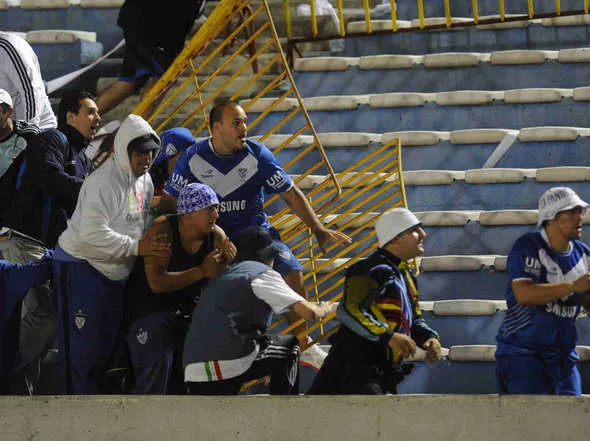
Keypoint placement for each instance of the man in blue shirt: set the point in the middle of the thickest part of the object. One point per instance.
(239, 169)
(549, 282)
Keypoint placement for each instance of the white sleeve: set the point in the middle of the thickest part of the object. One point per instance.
(98, 203)
(271, 288)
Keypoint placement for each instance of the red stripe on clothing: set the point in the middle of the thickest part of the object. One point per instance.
(217, 370)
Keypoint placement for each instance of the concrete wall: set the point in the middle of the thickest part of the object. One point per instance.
(264, 418)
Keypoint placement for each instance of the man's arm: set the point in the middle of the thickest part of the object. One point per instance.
(160, 280)
(46, 158)
(527, 292)
(167, 204)
(313, 311)
(296, 200)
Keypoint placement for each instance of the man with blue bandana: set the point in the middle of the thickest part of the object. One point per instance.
(162, 291)
(549, 283)
(240, 169)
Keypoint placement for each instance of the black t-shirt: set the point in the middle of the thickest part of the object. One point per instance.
(141, 300)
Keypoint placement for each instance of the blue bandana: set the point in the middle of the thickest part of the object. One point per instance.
(195, 197)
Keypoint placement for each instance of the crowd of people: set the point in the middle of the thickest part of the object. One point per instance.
(186, 283)
(162, 264)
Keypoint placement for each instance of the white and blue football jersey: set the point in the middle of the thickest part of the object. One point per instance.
(548, 328)
(238, 179)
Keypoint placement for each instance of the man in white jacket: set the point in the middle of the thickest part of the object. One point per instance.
(96, 253)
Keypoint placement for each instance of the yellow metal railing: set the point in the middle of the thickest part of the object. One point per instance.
(326, 31)
(372, 185)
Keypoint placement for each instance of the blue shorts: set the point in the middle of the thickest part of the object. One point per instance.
(531, 374)
(286, 261)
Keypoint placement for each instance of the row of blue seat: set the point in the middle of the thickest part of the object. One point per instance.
(471, 39)
(103, 21)
(448, 156)
(484, 76)
(430, 116)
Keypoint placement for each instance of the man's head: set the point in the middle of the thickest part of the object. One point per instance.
(256, 243)
(400, 232)
(141, 153)
(6, 126)
(197, 204)
(227, 121)
(561, 210)
(79, 110)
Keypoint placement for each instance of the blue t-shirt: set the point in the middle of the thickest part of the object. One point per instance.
(542, 329)
(238, 179)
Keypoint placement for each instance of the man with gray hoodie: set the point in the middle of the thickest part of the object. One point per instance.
(96, 253)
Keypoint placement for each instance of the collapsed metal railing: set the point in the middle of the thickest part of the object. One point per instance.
(236, 38)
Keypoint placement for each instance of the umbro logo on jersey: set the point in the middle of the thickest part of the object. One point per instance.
(277, 180)
(532, 266)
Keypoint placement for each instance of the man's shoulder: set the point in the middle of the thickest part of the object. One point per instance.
(364, 266)
(533, 239)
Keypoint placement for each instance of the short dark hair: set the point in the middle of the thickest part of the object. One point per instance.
(217, 111)
(70, 102)
(5, 107)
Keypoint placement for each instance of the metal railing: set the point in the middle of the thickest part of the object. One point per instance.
(342, 16)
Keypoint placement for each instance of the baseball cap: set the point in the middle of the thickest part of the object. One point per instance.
(144, 144)
(195, 196)
(174, 141)
(5, 97)
(256, 243)
(394, 222)
(558, 199)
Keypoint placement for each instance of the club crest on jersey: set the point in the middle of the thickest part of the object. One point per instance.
(243, 172)
(142, 336)
(171, 150)
(80, 319)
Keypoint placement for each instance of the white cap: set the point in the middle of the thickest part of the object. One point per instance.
(394, 222)
(5, 97)
(555, 200)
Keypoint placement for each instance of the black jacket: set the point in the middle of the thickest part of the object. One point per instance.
(159, 23)
(56, 166)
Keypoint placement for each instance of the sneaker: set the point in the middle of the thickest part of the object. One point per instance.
(313, 357)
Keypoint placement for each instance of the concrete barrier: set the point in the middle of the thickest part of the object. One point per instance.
(264, 418)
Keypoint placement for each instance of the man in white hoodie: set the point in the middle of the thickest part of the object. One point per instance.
(96, 253)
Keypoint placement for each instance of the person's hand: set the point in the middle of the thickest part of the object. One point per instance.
(154, 245)
(581, 284)
(325, 235)
(327, 308)
(433, 350)
(403, 343)
(213, 264)
(228, 251)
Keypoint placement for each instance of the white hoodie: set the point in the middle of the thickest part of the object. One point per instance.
(112, 211)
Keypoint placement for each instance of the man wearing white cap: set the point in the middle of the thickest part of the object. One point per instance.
(15, 136)
(380, 315)
(549, 281)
